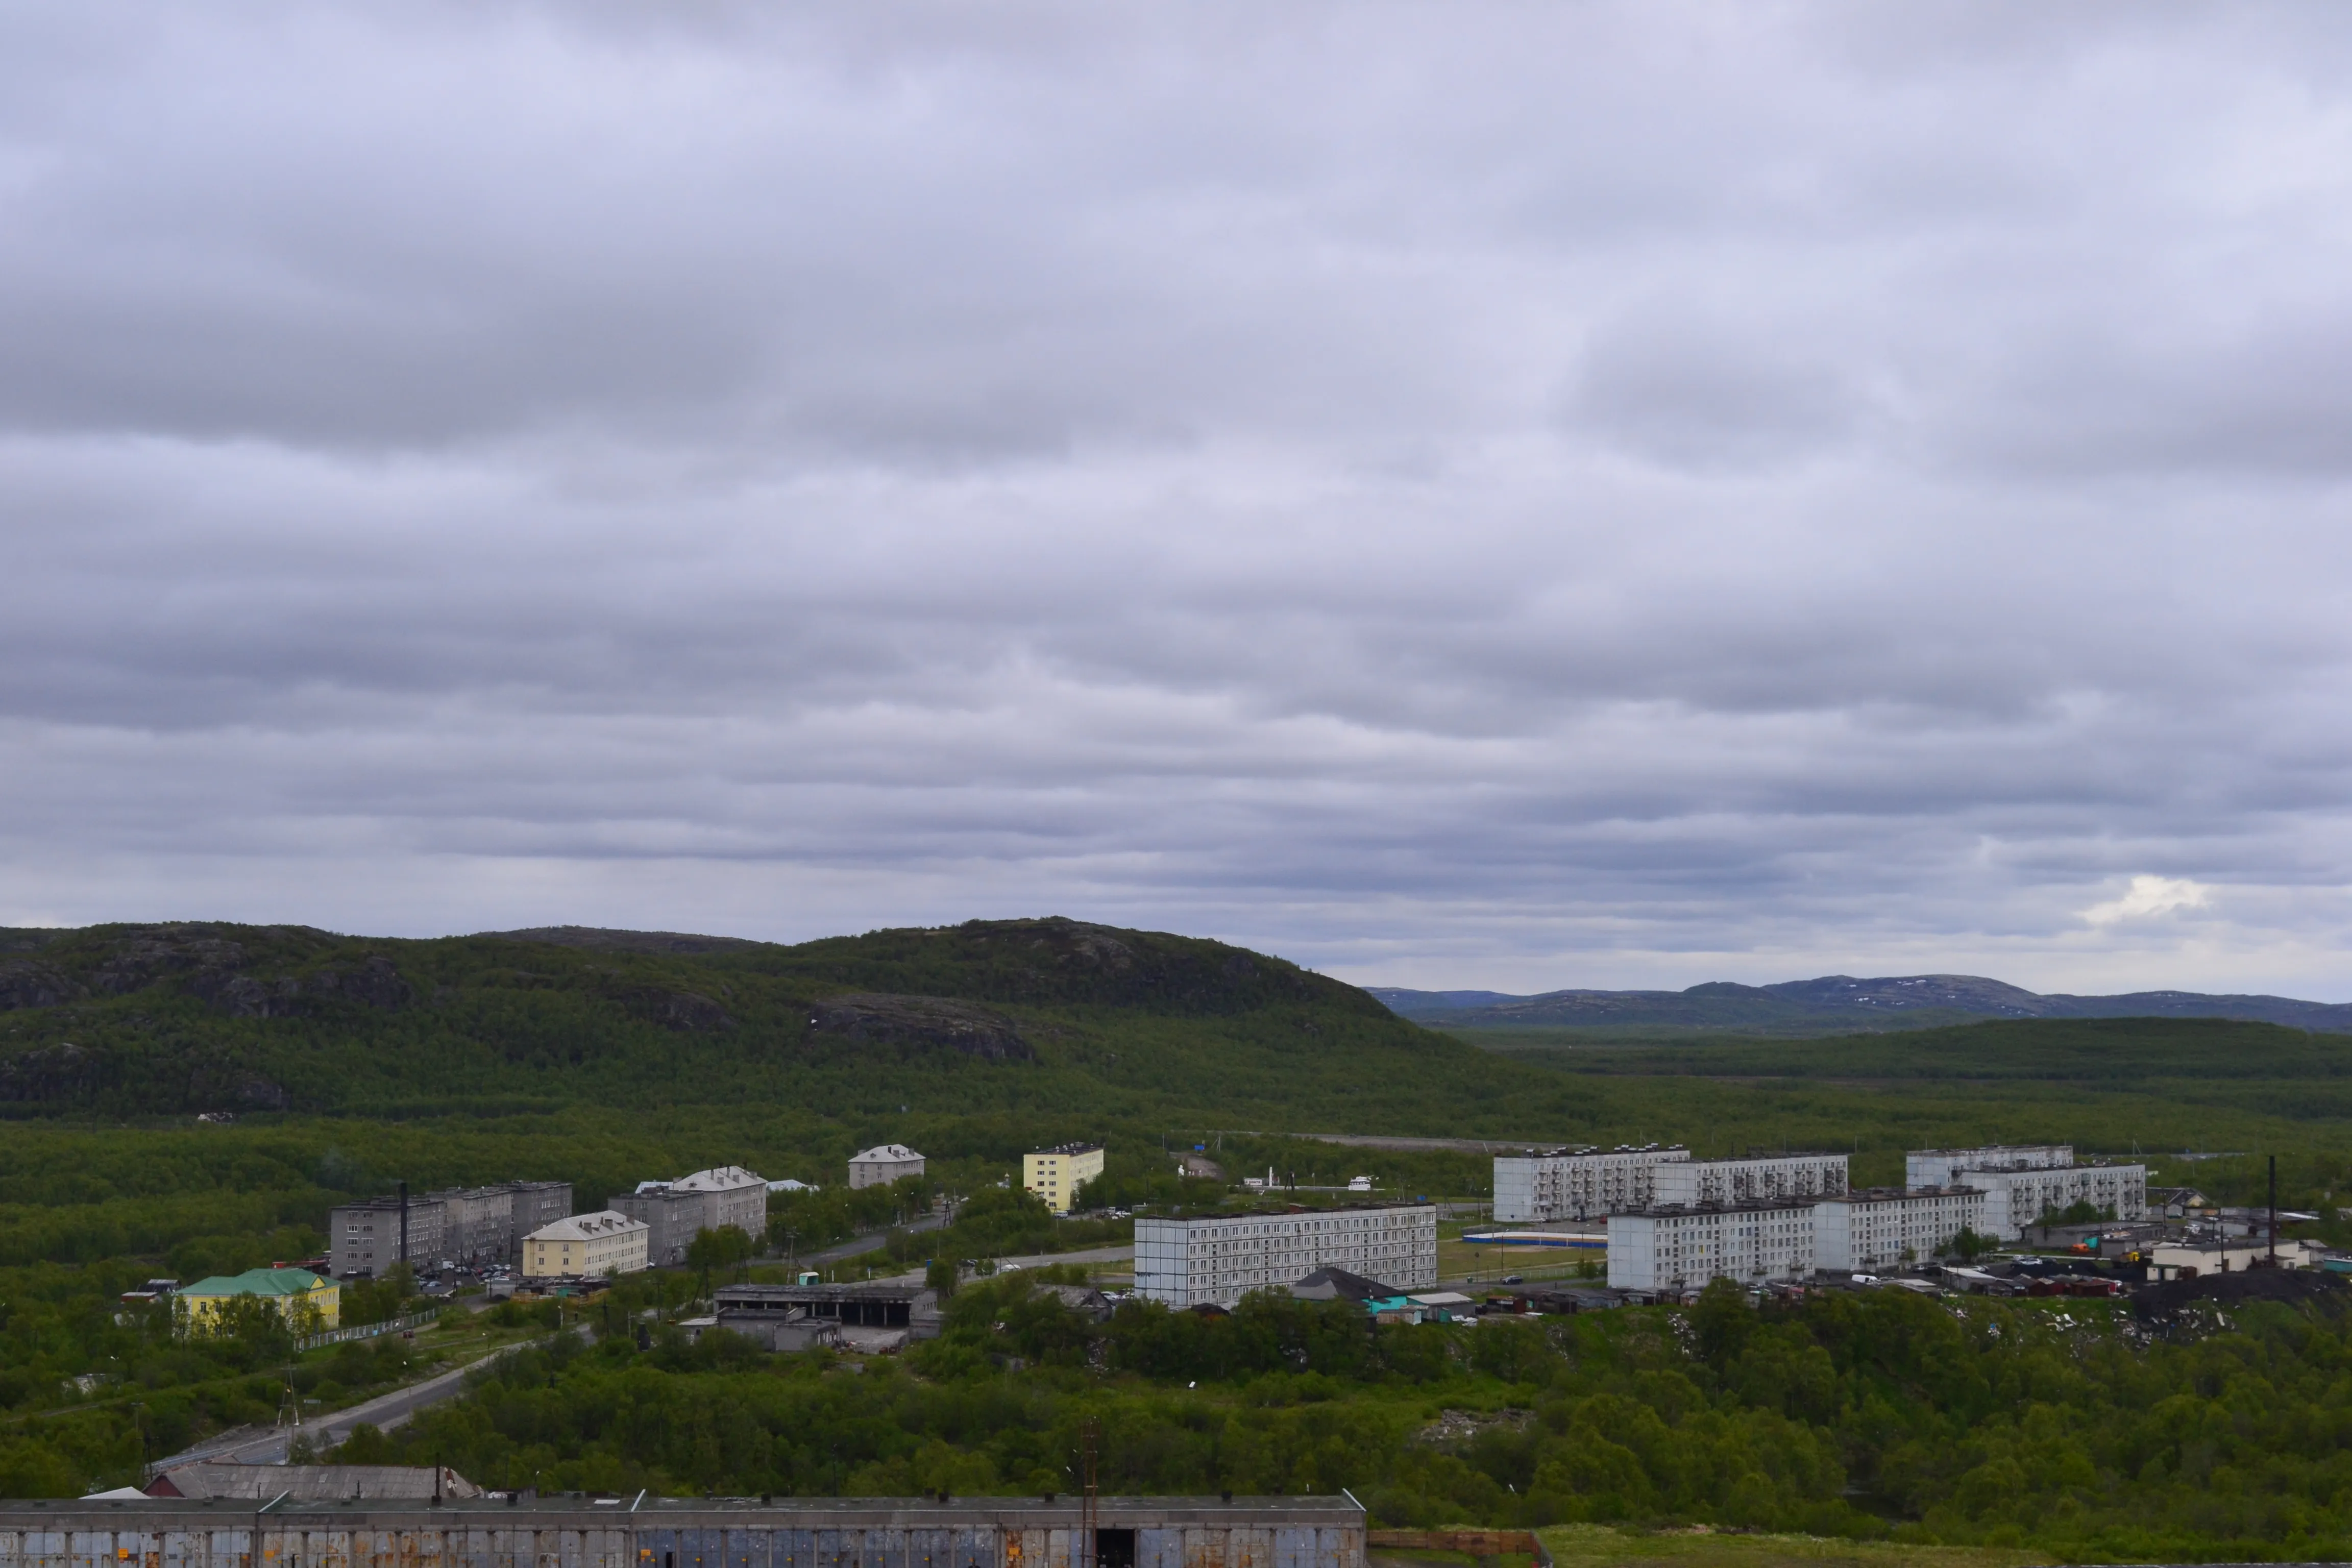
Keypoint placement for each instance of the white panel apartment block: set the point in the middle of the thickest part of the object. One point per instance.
(1749, 1181)
(1880, 1227)
(2016, 1200)
(1578, 1183)
(1942, 1167)
(1676, 1248)
(1222, 1258)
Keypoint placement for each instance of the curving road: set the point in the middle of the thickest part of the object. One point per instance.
(385, 1411)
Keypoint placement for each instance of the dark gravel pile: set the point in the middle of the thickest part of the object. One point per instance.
(2155, 1302)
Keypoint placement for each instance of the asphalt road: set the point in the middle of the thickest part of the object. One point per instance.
(1123, 1254)
(385, 1411)
(864, 1243)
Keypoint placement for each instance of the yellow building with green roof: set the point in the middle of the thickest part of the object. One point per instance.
(306, 1301)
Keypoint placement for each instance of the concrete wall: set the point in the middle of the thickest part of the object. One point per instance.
(1173, 1532)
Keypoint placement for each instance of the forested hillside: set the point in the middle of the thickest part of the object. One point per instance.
(1016, 1016)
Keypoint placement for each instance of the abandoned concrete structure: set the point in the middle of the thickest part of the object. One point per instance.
(793, 1317)
(505, 1531)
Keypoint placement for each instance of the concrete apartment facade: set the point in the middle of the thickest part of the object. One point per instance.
(732, 1195)
(363, 1239)
(487, 1225)
(1689, 1182)
(2015, 1201)
(1056, 1174)
(883, 1164)
(2022, 1181)
(675, 1213)
(1578, 1184)
(585, 1246)
(1883, 1228)
(1942, 1167)
(672, 1219)
(1220, 1257)
(1676, 1248)
(456, 1224)
(1785, 1216)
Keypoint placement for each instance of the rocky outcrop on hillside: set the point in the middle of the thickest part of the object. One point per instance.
(207, 962)
(373, 983)
(32, 984)
(937, 1022)
(685, 1011)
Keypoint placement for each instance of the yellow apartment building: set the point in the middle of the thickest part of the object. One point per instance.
(1055, 1174)
(587, 1246)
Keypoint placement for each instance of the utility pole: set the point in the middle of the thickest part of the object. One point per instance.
(1090, 1440)
(2275, 1211)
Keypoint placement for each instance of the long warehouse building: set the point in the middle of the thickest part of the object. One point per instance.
(640, 1531)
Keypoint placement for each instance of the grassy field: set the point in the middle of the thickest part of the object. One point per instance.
(1462, 1260)
(1599, 1546)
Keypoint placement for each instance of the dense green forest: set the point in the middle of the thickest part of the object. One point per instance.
(2063, 1426)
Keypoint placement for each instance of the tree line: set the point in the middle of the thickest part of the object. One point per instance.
(2058, 1426)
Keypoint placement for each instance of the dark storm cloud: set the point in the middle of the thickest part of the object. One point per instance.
(1524, 495)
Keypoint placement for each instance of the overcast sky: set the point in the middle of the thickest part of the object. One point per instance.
(1455, 494)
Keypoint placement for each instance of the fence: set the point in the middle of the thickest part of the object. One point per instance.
(1475, 1542)
(366, 1330)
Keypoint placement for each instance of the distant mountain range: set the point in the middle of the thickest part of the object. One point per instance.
(1837, 1003)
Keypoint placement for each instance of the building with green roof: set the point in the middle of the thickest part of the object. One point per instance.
(304, 1300)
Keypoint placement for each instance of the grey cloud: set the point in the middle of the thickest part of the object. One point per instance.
(1608, 495)
(1672, 383)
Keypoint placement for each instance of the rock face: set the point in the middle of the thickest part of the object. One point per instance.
(32, 984)
(934, 1022)
(243, 996)
(374, 982)
(684, 1011)
(212, 967)
(143, 957)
